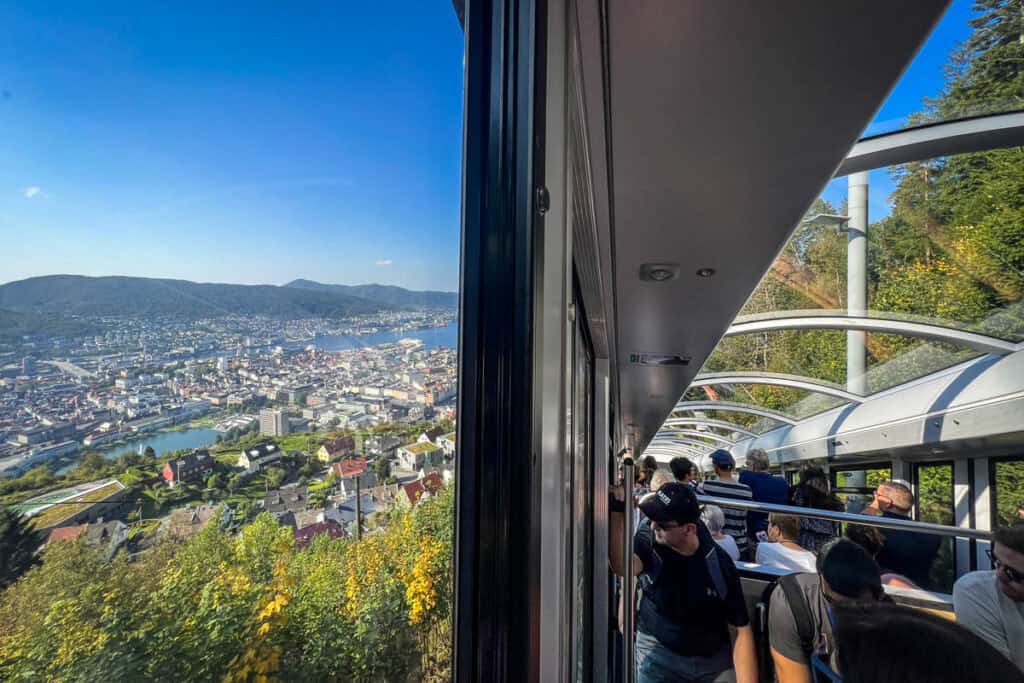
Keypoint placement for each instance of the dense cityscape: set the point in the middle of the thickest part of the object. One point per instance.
(137, 438)
(59, 397)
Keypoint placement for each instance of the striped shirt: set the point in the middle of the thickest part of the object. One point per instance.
(735, 519)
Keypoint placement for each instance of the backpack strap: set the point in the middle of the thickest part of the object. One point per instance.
(715, 572)
(801, 613)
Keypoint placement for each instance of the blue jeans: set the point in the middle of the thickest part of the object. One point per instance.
(655, 663)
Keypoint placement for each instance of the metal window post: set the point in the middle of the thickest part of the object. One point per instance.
(628, 651)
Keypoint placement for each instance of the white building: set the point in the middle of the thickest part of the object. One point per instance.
(274, 422)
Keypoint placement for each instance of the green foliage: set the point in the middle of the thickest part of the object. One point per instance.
(382, 468)
(274, 476)
(1009, 488)
(236, 482)
(18, 545)
(242, 607)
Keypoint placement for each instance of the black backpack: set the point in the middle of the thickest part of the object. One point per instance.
(802, 618)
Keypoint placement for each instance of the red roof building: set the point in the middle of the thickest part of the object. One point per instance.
(304, 536)
(352, 467)
(413, 491)
(190, 467)
(67, 533)
(432, 482)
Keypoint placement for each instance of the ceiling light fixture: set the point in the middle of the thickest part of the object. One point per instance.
(705, 272)
(659, 272)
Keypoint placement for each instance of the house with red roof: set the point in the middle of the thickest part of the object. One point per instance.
(305, 536)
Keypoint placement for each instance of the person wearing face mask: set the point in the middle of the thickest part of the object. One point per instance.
(991, 603)
(691, 600)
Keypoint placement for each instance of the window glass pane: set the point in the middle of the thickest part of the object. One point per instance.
(935, 505)
(232, 420)
(967, 67)
(860, 485)
(1009, 492)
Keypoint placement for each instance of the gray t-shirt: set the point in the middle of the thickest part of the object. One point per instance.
(982, 607)
(782, 632)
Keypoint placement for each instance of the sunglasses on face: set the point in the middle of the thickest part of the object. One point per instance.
(1009, 572)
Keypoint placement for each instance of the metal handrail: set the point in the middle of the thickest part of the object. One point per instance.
(628, 654)
(866, 520)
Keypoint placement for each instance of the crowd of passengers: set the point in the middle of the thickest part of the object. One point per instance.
(828, 615)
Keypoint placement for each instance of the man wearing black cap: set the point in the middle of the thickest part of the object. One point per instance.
(726, 486)
(690, 593)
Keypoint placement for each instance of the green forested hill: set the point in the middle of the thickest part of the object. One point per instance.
(92, 296)
(385, 294)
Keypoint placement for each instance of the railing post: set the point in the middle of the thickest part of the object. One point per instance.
(628, 608)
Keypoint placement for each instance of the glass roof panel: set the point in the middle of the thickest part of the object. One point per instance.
(945, 241)
(971, 65)
(820, 355)
(745, 420)
(790, 401)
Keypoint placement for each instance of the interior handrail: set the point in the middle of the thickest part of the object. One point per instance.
(866, 520)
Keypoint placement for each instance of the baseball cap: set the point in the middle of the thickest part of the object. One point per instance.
(723, 458)
(673, 502)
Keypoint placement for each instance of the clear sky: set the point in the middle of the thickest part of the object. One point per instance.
(314, 140)
(206, 142)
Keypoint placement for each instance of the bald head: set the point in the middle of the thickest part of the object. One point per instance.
(895, 497)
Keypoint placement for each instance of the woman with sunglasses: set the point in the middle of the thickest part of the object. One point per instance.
(991, 603)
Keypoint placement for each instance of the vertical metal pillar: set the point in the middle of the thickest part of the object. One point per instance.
(628, 608)
(857, 280)
(359, 525)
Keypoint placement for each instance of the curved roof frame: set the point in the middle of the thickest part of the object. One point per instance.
(728, 406)
(663, 439)
(974, 134)
(776, 379)
(708, 422)
(674, 450)
(670, 433)
(784, 320)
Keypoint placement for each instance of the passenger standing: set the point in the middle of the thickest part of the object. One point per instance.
(813, 492)
(692, 598)
(726, 486)
(648, 466)
(765, 487)
(683, 470)
(991, 603)
(910, 553)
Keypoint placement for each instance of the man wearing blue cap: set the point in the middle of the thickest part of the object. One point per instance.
(691, 597)
(726, 486)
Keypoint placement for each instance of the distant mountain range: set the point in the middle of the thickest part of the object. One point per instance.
(385, 294)
(78, 295)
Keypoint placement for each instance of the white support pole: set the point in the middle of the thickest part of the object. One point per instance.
(857, 280)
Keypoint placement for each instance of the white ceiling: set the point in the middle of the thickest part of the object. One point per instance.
(727, 119)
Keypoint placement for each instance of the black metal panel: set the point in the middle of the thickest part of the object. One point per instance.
(496, 591)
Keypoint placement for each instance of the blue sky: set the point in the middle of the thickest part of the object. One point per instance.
(316, 140)
(923, 78)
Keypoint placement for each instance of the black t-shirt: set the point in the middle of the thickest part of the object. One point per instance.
(682, 609)
(910, 553)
